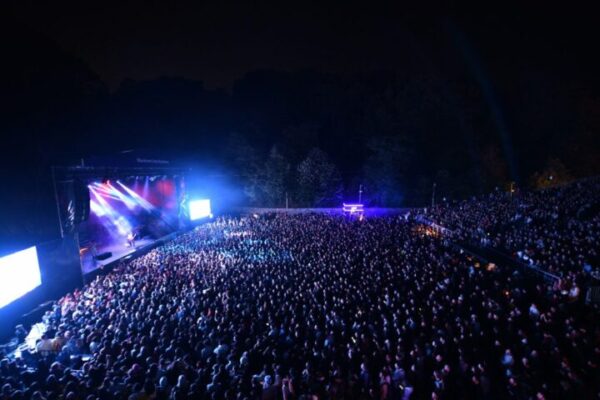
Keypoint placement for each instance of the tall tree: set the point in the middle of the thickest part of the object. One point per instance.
(244, 162)
(386, 169)
(319, 180)
(274, 179)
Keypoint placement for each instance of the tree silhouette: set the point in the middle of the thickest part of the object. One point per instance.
(319, 180)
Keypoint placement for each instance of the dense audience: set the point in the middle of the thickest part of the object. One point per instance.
(555, 229)
(312, 307)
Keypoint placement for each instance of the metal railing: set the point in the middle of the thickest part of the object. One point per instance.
(478, 248)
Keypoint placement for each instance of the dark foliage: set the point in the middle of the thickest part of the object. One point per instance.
(394, 132)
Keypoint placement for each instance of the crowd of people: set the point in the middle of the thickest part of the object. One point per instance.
(556, 230)
(312, 306)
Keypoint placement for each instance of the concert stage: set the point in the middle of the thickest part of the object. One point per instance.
(118, 250)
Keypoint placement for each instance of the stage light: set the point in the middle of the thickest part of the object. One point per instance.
(96, 209)
(103, 209)
(199, 209)
(106, 192)
(123, 226)
(137, 198)
(146, 190)
(103, 204)
(130, 203)
(109, 191)
(353, 208)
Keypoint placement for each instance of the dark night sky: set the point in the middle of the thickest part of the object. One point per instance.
(217, 42)
(452, 81)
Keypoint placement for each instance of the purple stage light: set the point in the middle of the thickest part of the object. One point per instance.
(146, 190)
(351, 209)
(103, 204)
(101, 208)
(123, 226)
(96, 209)
(106, 195)
(137, 198)
(130, 203)
(107, 190)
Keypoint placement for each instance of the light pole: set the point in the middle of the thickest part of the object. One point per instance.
(360, 194)
(512, 189)
(433, 195)
(60, 224)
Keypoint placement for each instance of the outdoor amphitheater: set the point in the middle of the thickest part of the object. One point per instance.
(332, 305)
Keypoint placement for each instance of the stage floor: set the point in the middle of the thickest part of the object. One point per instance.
(88, 264)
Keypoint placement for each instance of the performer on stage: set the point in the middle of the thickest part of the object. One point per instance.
(94, 250)
(131, 239)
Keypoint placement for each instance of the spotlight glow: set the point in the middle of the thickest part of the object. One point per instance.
(103, 209)
(103, 204)
(353, 208)
(123, 226)
(136, 198)
(96, 209)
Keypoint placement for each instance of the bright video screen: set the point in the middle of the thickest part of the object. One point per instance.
(199, 209)
(19, 274)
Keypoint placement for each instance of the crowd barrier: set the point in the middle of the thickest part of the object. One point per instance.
(326, 210)
(487, 252)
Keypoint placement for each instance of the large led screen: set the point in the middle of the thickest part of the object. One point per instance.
(19, 275)
(199, 209)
